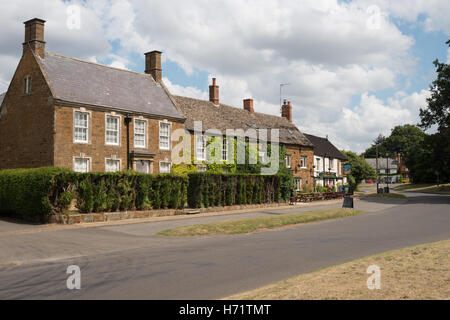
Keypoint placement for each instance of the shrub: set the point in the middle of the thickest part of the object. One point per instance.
(208, 189)
(27, 193)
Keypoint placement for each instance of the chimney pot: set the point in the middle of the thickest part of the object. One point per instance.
(153, 65)
(248, 105)
(214, 92)
(34, 36)
(286, 110)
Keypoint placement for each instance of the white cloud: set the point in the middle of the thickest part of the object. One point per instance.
(325, 49)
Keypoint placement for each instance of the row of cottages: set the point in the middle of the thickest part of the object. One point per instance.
(66, 112)
(328, 162)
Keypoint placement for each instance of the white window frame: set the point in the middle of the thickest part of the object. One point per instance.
(303, 159)
(27, 85)
(118, 129)
(262, 156)
(203, 154)
(88, 125)
(89, 163)
(298, 186)
(288, 161)
(145, 132)
(165, 162)
(113, 159)
(331, 163)
(169, 125)
(225, 149)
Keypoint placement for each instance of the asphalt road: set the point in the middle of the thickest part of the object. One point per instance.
(129, 262)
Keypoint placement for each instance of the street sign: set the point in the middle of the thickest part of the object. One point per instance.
(347, 168)
(348, 203)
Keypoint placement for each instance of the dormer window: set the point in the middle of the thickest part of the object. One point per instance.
(27, 85)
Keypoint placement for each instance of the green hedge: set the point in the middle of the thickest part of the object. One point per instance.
(37, 193)
(208, 189)
(25, 192)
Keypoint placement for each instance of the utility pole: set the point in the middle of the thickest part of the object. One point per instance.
(376, 166)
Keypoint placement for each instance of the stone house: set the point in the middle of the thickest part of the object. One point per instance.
(214, 115)
(328, 162)
(66, 112)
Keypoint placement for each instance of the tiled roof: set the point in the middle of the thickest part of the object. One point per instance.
(224, 117)
(391, 163)
(323, 147)
(89, 83)
(2, 96)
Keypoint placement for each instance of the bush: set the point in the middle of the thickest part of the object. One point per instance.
(26, 193)
(37, 193)
(210, 189)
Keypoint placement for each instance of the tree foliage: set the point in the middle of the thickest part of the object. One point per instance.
(360, 169)
(438, 110)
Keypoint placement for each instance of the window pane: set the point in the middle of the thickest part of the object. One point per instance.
(139, 133)
(164, 135)
(81, 126)
(112, 130)
(81, 165)
(224, 150)
(164, 167)
(112, 165)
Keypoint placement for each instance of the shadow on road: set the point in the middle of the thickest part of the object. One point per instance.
(411, 199)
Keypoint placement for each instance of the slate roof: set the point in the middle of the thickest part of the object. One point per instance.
(392, 163)
(322, 147)
(224, 117)
(94, 84)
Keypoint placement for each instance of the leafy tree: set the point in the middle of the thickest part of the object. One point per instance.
(438, 110)
(360, 169)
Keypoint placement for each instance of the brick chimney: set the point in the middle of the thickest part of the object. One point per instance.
(214, 92)
(286, 110)
(34, 36)
(153, 65)
(248, 105)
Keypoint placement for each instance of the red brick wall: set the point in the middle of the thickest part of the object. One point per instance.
(296, 152)
(26, 121)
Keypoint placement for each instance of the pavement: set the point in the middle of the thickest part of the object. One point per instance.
(127, 261)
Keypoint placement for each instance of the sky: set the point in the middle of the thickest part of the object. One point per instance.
(355, 69)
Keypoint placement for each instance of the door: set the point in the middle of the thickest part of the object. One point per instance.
(143, 166)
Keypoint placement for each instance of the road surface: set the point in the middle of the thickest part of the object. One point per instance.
(130, 262)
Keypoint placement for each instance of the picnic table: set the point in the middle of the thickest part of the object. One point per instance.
(308, 197)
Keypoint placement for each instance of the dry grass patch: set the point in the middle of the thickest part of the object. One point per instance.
(387, 195)
(258, 224)
(419, 272)
(426, 188)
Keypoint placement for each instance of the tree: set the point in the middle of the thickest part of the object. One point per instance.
(371, 152)
(438, 113)
(438, 109)
(360, 169)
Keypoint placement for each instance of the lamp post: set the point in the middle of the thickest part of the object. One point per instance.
(376, 166)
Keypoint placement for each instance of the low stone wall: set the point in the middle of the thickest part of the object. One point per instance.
(114, 216)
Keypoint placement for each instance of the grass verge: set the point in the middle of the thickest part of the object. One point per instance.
(426, 188)
(387, 195)
(419, 272)
(257, 224)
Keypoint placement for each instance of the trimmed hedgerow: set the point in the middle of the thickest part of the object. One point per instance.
(25, 192)
(37, 193)
(208, 189)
